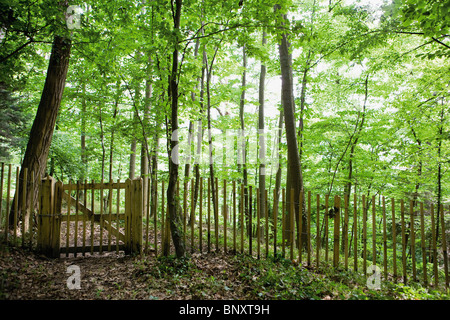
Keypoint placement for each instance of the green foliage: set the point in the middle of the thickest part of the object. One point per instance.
(64, 155)
(123, 49)
(432, 17)
(278, 278)
(171, 266)
(12, 122)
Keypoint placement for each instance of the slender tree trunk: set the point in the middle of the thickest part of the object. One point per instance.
(133, 156)
(102, 142)
(83, 134)
(243, 147)
(199, 127)
(144, 146)
(134, 141)
(419, 169)
(439, 175)
(173, 201)
(154, 162)
(214, 187)
(302, 104)
(295, 178)
(278, 174)
(111, 147)
(262, 142)
(354, 141)
(36, 154)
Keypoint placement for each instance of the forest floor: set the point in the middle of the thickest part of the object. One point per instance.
(25, 275)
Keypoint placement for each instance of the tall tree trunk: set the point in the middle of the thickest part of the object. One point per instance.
(211, 162)
(262, 143)
(302, 104)
(102, 142)
(83, 134)
(199, 124)
(304, 82)
(36, 154)
(111, 147)
(294, 178)
(134, 141)
(187, 165)
(173, 214)
(144, 146)
(132, 169)
(419, 169)
(354, 139)
(439, 175)
(154, 163)
(278, 174)
(214, 187)
(243, 147)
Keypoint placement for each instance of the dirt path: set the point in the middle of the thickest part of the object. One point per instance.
(25, 275)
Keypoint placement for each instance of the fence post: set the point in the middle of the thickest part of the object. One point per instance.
(133, 215)
(127, 216)
(56, 219)
(48, 219)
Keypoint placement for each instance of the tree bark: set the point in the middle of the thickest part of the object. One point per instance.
(111, 147)
(294, 178)
(36, 154)
(262, 143)
(154, 164)
(132, 170)
(199, 124)
(243, 147)
(439, 175)
(145, 168)
(173, 201)
(302, 103)
(354, 140)
(214, 186)
(278, 174)
(102, 141)
(83, 134)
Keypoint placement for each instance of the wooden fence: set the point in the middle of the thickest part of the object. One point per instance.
(70, 218)
(407, 240)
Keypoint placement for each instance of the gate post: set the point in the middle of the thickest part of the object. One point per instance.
(133, 215)
(48, 236)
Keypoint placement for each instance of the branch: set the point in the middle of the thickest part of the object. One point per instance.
(440, 42)
(2, 59)
(210, 34)
(356, 132)
(331, 7)
(409, 32)
(340, 46)
(246, 25)
(420, 46)
(422, 34)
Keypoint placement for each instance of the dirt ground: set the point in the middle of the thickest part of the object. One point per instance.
(25, 275)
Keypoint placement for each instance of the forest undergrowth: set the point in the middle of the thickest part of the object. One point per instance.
(25, 275)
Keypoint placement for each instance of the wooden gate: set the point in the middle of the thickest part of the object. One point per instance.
(90, 217)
